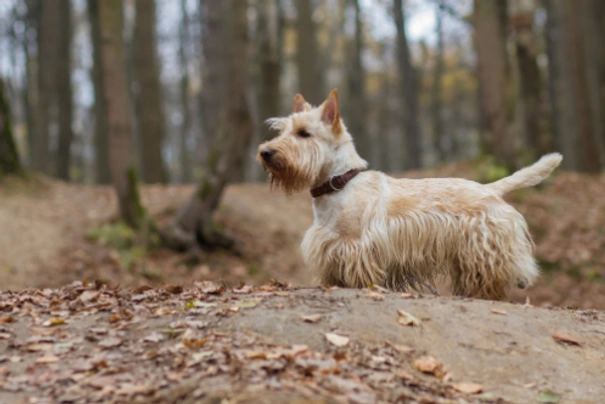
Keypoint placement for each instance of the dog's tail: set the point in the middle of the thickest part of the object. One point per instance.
(528, 176)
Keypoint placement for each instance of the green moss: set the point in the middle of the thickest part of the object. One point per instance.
(134, 200)
(489, 170)
(204, 189)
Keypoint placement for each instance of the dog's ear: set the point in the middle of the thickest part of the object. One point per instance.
(330, 114)
(300, 104)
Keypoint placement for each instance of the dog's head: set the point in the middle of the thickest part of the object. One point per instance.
(311, 143)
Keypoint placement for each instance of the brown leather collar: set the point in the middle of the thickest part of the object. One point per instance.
(335, 183)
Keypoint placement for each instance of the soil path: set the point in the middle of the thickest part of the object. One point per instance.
(275, 344)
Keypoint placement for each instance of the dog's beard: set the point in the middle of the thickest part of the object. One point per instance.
(288, 178)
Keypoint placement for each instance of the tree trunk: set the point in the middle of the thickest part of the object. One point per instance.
(101, 141)
(31, 85)
(490, 18)
(64, 91)
(536, 137)
(408, 91)
(226, 156)
(185, 159)
(355, 103)
(9, 156)
(269, 38)
(213, 18)
(307, 55)
(563, 116)
(149, 93)
(588, 145)
(436, 103)
(48, 17)
(591, 22)
(117, 105)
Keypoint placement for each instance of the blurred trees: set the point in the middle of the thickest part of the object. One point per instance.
(116, 100)
(149, 98)
(408, 91)
(233, 124)
(423, 82)
(101, 143)
(310, 77)
(490, 20)
(9, 157)
(64, 90)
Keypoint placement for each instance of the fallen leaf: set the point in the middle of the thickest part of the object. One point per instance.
(36, 346)
(559, 337)
(403, 348)
(4, 335)
(243, 289)
(336, 339)
(89, 296)
(256, 355)
(154, 337)
(547, 397)
(141, 289)
(198, 303)
(114, 319)
(7, 319)
(51, 322)
(47, 359)
(110, 342)
(375, 295)
(233, 309)
(406, 318)
(248, 304)
(430, 365)
(209, 288)
(174, 289)
(311, 318)
(501, 312)
(469, 388)
(198, 356)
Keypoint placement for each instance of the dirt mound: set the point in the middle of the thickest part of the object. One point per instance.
(274, 343)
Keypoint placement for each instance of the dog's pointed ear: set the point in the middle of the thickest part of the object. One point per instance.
(299, 104)
(330, 114)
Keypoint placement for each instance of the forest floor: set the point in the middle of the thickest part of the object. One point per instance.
(77, 341)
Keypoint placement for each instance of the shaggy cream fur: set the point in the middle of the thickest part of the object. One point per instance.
(400, 233)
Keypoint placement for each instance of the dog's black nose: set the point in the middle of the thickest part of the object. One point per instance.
(266, 154)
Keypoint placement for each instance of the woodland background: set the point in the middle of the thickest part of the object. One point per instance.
(171, 93)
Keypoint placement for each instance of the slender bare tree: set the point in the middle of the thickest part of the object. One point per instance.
(184, 155)
(64, 90)
(47, 35)
(215, 36)
(408, 91)
(194, 224)
(355, 104)
(436, 102)
(118, 108)
(307, 55)
(9, 156)
(490, 20)
(101, 141)
(149, 93)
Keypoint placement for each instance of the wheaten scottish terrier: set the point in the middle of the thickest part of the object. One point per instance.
(372, 229)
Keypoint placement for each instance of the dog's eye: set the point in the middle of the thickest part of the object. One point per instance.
(303, 133)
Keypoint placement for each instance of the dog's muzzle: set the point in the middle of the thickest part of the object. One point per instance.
(267, 154)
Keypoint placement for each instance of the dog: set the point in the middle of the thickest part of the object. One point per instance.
(372, 229)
